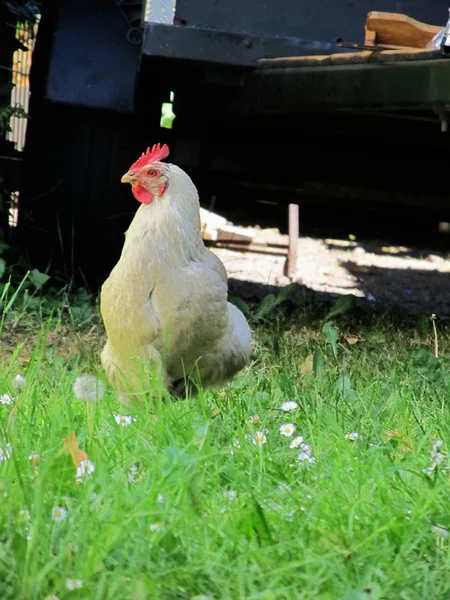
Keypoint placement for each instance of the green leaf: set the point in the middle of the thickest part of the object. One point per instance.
(426, 364)
(266, 306)
(342, 305)
(286, 292)
(344, 388)
(318, 364)
(2, 267)
(38, 279)
(331, 336)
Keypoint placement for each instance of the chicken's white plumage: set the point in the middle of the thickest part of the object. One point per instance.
(165, 305)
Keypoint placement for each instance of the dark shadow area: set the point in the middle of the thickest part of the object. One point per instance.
(407, 291)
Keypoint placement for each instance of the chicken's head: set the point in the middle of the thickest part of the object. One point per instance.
(147, 175)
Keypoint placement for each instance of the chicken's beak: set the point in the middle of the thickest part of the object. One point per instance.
(127, 178)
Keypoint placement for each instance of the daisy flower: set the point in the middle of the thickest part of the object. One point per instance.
(34, 458)
(287, 429)
(59, 513)
(6, 399)
(5, 452)
(51, 597)
(352, 436)
(296, 442)
(133, 474)
(85, 470)
(74, 584)
(284, 487)
(124, 420)
(156, 526)
(230, 494)
(259, 439)
(25, 514)
(255, 420)
(289, 406)
(88, 387)
(160, 499)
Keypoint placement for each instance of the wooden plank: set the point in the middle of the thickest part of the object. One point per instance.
(378, 56)
(396, 29)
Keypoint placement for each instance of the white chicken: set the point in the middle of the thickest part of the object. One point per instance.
(164, 304)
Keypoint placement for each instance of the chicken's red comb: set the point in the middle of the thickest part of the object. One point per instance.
(156, 153)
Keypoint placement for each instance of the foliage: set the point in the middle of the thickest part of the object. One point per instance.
(183, 504)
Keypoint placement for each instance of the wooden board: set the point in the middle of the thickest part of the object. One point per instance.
(396, 29)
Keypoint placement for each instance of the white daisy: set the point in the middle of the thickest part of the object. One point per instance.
(59, 513)
(123, 420)
(287, 429)
(74, 584)
(85, 470)
(259, 439)
(156, 526)
(289, 406)
(296, 442)
(19, 382)
(284, 487)
(236, 443)
(352, 436)
(88, 387)
(230, 494)
(254, 419)
(160, 499)
(5, 452)
(304, 457)
(34, 458)
(25, 514)
(133, 474)
(51, 597)
(6, 399)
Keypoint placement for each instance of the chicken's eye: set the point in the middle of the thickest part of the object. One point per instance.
(153, 172)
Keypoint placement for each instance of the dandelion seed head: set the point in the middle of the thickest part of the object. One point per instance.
(89, 388)
(19, 382)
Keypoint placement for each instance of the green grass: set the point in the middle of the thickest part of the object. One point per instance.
(359, 523)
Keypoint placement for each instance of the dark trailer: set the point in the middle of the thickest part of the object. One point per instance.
(314, 103)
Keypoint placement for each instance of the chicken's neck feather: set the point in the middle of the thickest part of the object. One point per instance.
(167, 232)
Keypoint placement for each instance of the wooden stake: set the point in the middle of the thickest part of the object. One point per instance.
(291, 263)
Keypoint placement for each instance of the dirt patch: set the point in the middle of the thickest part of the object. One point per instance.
(413, 279)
